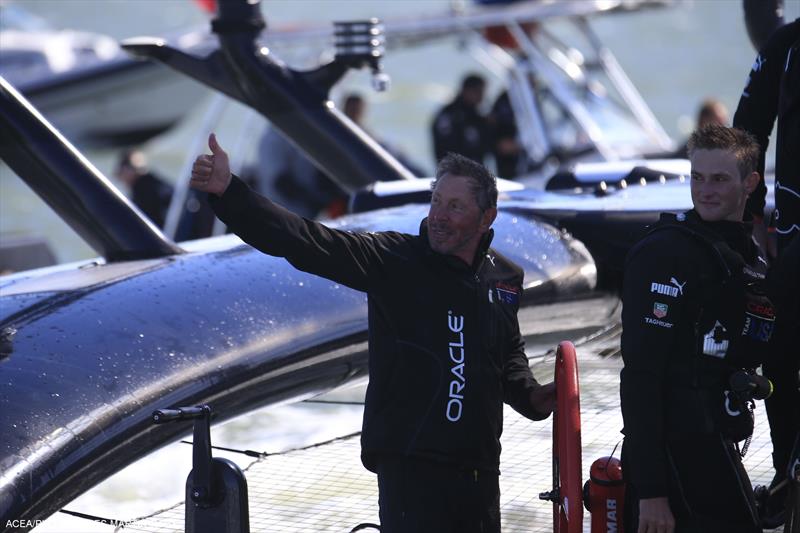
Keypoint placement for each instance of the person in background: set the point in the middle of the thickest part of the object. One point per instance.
(283, 172)
(711, 111)
(445, 348)
(354, 107)
(509, 157)
(694, 316)
(149, 192)
(772, 92)
(782, 368)
(460, 127)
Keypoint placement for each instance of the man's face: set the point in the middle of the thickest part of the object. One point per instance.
(473, 96)
(455, 222)
(718, 191)
(354, 111)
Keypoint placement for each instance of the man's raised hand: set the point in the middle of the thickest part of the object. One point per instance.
(211, 173)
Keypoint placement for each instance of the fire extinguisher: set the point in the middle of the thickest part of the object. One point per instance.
(604, 495)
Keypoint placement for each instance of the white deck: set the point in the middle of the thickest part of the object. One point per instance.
(326, 489)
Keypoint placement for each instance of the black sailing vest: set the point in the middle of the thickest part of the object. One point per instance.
(733, 324)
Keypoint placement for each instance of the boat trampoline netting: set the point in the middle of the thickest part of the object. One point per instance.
(325, 488)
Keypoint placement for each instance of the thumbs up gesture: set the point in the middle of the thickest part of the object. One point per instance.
(211, 173)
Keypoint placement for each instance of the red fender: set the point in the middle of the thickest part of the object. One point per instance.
(209, 6)
(568, 508)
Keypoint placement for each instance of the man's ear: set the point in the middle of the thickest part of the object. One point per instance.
(751, 182)
(487, 218)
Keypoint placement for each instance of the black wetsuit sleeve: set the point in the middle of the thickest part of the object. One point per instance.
(758, 107)
(341, 256)
(652, 315)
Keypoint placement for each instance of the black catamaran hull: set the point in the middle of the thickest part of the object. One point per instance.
(88, 352)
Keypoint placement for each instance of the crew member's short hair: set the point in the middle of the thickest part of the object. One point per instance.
(484, 184)
(710, 111)
(353, 99)
(740, 143)
(473, 81)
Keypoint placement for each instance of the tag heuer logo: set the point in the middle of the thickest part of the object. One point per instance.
(660, 310)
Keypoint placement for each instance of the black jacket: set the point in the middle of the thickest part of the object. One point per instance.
(504, 128)
(445, 348)
(461, 129)
(773, 91)
(685, 330)
(152, 195)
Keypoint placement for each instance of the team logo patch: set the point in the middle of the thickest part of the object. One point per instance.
(659, 323)
(673, 289)
(660, 310)
(507, 294)
(759, 320)
(716, 341)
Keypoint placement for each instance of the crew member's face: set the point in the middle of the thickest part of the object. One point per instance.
(718, 190)
(473, 96)
(455, 222)
(354, 111)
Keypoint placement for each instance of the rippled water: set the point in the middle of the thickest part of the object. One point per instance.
(676, 58)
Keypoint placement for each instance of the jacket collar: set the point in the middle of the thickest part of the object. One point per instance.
(737, 234)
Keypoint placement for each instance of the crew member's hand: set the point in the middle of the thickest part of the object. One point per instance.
(543, 399)
(211, 173)
(655, 516)
(765, 239)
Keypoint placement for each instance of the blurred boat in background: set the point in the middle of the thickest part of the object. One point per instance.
(91, 90)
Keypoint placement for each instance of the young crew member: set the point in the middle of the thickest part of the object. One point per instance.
(694, 313)
(445, 349)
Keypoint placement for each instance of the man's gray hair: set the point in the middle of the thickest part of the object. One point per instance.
(484, 184)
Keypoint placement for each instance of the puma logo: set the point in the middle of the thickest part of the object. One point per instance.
(678, 284)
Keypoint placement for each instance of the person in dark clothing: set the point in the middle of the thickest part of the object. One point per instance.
(694, 313)
(354, 108)
(508, 153)
(285, 173)
(149, 193)
(783, 369)
(773, 92)
(460, 127)
(445, 349)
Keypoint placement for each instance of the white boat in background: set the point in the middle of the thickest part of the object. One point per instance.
(88, 87)
(570, 98)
